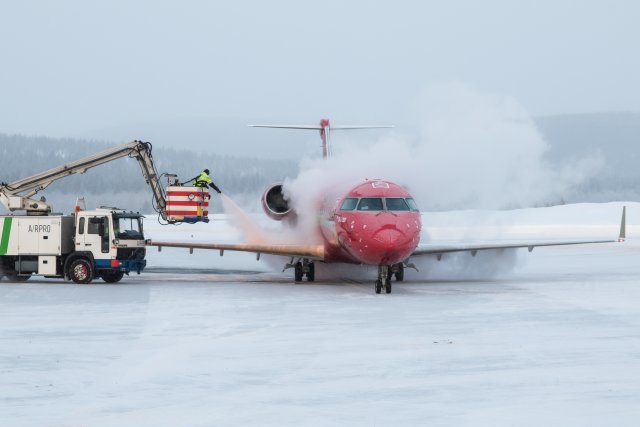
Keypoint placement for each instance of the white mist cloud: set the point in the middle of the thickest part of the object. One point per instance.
(463, 266)
(475, 150)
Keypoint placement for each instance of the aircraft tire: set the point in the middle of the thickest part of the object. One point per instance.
(387, 285)
(311, 274)
(298, 272)
(378, 286)
(400, 273)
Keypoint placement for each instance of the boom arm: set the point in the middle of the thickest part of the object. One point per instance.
(18, 195)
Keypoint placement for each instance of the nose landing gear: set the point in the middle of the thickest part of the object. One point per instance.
(384, 279)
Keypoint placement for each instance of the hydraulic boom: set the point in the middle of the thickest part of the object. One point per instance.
(18, 195)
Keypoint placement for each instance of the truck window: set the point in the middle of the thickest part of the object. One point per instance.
(94, 225)
(81, 226)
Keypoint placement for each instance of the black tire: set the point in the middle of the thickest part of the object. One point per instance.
(400, 273)
(298, 272)
(378, 286)
(387, 285)
(311, 274)
(81, 271)
(112, 276)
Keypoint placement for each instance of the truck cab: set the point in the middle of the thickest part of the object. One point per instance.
(109, 243)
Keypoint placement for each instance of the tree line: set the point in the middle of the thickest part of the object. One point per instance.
(22, 156)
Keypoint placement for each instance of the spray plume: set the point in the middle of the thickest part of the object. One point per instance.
(474, 151)
(239, 219)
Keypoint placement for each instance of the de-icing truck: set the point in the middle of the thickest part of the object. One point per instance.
(104, 243)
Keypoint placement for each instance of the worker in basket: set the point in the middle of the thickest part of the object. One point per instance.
(204, 180)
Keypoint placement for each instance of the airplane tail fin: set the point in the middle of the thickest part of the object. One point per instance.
(325, 129)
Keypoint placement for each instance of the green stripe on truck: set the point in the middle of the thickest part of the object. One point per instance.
(6, 231)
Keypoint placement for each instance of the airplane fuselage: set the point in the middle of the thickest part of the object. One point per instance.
(376, 222)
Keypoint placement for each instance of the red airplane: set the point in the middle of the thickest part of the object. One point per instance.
(377, 222)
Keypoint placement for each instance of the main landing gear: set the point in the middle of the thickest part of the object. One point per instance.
(384, 276)
(302, 268)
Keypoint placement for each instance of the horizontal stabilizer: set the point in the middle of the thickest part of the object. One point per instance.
(347, 127)
(325, 129)
(317, 127)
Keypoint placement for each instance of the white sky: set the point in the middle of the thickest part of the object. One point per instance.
(79, 68)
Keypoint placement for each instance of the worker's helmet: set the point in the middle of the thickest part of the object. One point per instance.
(206, 171)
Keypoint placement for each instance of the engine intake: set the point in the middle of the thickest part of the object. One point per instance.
(275, 205)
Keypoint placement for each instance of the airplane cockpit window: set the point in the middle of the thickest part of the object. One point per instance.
(396, 204)
(349, 204)
(412, 205)
(370, 204)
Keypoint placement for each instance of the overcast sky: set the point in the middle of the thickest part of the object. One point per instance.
(109, 68)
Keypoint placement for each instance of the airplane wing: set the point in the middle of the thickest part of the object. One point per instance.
(304, 251)
(439, 249)
(436, 249)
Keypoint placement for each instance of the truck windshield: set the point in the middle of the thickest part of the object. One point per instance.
(126, 227)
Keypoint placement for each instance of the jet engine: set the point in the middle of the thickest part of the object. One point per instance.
(275, 205)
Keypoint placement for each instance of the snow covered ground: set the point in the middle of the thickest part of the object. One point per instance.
(547, 338)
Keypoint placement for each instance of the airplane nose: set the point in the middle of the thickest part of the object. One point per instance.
(389, 238)
(389, 244)
(383, 243)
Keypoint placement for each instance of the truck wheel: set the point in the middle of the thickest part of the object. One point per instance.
(112, 276)
(81, 271)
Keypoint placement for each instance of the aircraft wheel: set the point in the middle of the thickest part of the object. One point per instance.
(298, 272)
(311, 274)
(387, 285)
(378, 286)
(112, 276)
(81, 271)
(400, 272)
